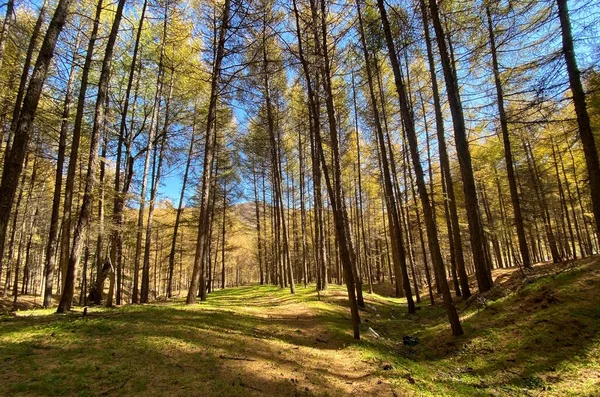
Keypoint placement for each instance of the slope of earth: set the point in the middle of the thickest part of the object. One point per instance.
(533, 334)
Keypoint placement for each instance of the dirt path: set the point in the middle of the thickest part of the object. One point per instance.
(536, 333)
(244, 341)
(297, 349)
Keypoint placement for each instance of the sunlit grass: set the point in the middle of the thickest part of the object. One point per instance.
(543, 337)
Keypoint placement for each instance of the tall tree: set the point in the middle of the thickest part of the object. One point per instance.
(208, 158)
(24, 127)
(58, 178)
(483, 271)
(583, 119)
(90, 179)
(75, 143)
(340, 218)
(392, 207)
(409, 129)
(508, 156)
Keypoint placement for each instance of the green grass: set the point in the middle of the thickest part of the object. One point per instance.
(541, 337)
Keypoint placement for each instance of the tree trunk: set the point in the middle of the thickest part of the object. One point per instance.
(24, 128)
(583, 119)
(208, 155)
(432, 238)
(223, 228)
(508, 157)
(90, 179)
(50, 257)
(258, 232)
(335, 195)
(398, 251)
(541, 198)
(277, 173)
(121, 192)
(180, 210)
(5, 31)
(483, 272)
(65, 242)
(33, 42)
(445, 162)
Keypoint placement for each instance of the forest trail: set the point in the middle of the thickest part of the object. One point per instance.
(533, 335)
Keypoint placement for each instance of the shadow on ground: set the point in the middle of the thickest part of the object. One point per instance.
(535, 334)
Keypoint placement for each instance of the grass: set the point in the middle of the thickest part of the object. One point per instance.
(536, 335)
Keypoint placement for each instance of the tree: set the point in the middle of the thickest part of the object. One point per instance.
(583, 118)
(208, 158)
(483, 271)
(24, 127)
(409, 128)
(90, 179)
(508, 156)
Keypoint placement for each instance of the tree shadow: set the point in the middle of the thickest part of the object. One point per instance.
(528, 338)
(180, 350)
(274, 344)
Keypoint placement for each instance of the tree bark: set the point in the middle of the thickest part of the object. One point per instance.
(483, 272)
(335, 196)
(90, 179)
(121, 191)
(508, 157)
(583, 118)
(408, 122)
(445, 162)
(541, 198)
(65, 241)
(50, 257)
(209, 155)
(16, 157)
(180, 210)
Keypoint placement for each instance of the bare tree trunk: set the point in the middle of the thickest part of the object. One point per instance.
(65, 242)
(303, 218)
(58, 179)
(33, 42)
(510, 171)
(583, 119)
(121, 192)
(346, 251)
(398, 251)
(258, 232)
(180, 210)
(541, 198)
(22, 135)
(361, 221)
(209, 155)
(90, 180)
(157, 161)
(13, 233)
(100, 240)
(445, 162)
(86, 255)
(573, 213)
(454, 267)
(432, 238)
(483, 272)
(563, 201)
(407, 183)
(277, 172)
(9, 19)
(223, 227)
(24, 227)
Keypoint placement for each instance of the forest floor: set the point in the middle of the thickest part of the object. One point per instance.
(533, 334)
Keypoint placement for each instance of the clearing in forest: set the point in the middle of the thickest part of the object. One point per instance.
(537, 334)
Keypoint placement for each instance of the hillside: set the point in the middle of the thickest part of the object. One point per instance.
(537, 334)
